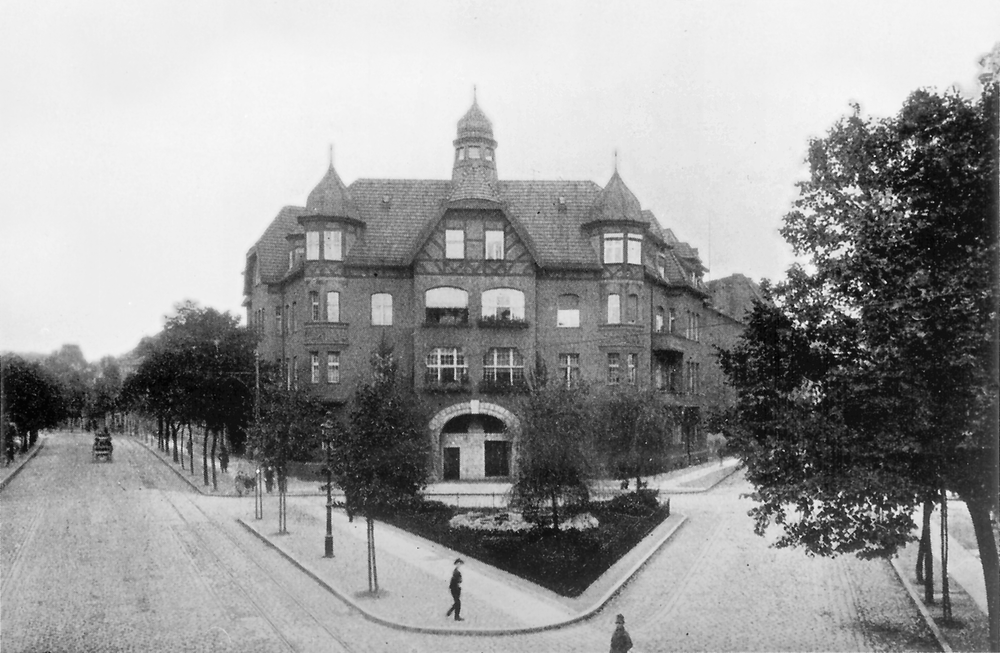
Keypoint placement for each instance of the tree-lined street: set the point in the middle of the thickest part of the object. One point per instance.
(125, 556)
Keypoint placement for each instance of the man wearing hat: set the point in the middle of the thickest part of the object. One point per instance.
(620, 641)
(456, 591)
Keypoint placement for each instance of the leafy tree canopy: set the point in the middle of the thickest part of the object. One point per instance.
(870, 382)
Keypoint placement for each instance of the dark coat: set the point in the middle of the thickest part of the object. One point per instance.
(456, 582)
(620, 641)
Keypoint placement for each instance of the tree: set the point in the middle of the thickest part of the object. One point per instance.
(75, 376)
(380, 457)
(556, 456)
(287, 430)
(635, 424)
(870, 385)
(31, 401)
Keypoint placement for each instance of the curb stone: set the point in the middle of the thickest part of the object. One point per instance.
(24, 461)
(924, 612)
(597, 607)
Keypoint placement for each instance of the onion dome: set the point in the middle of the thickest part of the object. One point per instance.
(474, 172)
(616, 203)
(475, 124)
(331, 198)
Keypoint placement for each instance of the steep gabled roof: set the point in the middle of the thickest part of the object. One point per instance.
(272, 247)
(395, 212)
(555, 229)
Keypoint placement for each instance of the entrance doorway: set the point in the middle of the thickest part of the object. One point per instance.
(452, 463)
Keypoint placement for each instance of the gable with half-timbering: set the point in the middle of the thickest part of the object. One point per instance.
(474, 242)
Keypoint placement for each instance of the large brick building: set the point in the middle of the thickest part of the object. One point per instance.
(476, 280)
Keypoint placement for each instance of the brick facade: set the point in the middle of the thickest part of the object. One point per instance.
(471, 280)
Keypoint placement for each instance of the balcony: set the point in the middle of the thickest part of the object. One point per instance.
(502, 322)
(459, 385)
(664, 341)
(502, 386)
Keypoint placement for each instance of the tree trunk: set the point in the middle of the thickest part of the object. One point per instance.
(372, 566)
(979, 510)
(945, 591)
(173, 434)
(204, 457)
(215, 440)
(925, 555)
(190, 449)
(159, 432)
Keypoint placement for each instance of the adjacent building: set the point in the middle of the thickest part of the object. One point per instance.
(476, 282)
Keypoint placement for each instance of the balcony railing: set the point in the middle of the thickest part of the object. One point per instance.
(500, 322)
(434, 385)
(517, 386)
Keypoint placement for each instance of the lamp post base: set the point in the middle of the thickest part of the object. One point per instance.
(329, 547)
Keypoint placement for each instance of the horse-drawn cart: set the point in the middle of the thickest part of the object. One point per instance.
(103, 449)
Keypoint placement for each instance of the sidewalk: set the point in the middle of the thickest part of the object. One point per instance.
(413, 572)
(8, 472)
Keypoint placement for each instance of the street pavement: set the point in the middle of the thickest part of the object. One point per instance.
(125, 556)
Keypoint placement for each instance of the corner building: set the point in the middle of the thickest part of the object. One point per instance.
(474, 281)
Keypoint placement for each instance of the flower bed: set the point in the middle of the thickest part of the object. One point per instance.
(567, 561)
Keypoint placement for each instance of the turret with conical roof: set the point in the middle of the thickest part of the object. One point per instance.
(616, 203)
(331, 198)
(474, 175)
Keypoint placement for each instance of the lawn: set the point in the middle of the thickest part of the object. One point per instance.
(564, 561)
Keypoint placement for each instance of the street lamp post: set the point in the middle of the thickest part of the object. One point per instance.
(328, 543)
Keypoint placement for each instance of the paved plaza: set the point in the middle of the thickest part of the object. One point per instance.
(127, 556)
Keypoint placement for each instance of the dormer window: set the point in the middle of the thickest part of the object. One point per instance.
(489, 154)
(473, 151)
(332, 245)
(635, 249)
(460, 154)
(312, 245)
(614, 248)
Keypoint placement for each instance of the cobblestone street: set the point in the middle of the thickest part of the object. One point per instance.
(125, 557)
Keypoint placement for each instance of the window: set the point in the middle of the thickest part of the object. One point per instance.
(661, 264)
(697, 327)
(494, 245)
(473, 152)
(333, 306)
(312, 245)
(460, 153)
(446, 306)
(288, 373)
(658, 326)
(635, 249)
(314, 367)
(671, 321)
(631, 367)
(503, 365)
(289, 327)
(614, 368)
(632, 309)
(614, 309)
(454, 243)
(333, 246)
(446, 365)
(333, 367)
(489, 154)
(292, 317)
(382, 309)
(569, 369)
(314, 311)
(613, 244)
(693, 378)
(277, 320)
(291, 259)
(568, 311)
(295, 371)
(503, 304)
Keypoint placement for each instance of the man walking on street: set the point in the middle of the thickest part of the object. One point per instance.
(620, 641)
(456, 591)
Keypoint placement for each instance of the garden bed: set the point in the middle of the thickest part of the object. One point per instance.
(564, 561)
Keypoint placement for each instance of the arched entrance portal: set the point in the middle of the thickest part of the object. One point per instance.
(474, 441)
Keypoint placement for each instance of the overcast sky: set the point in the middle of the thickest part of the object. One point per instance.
(145, 146)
